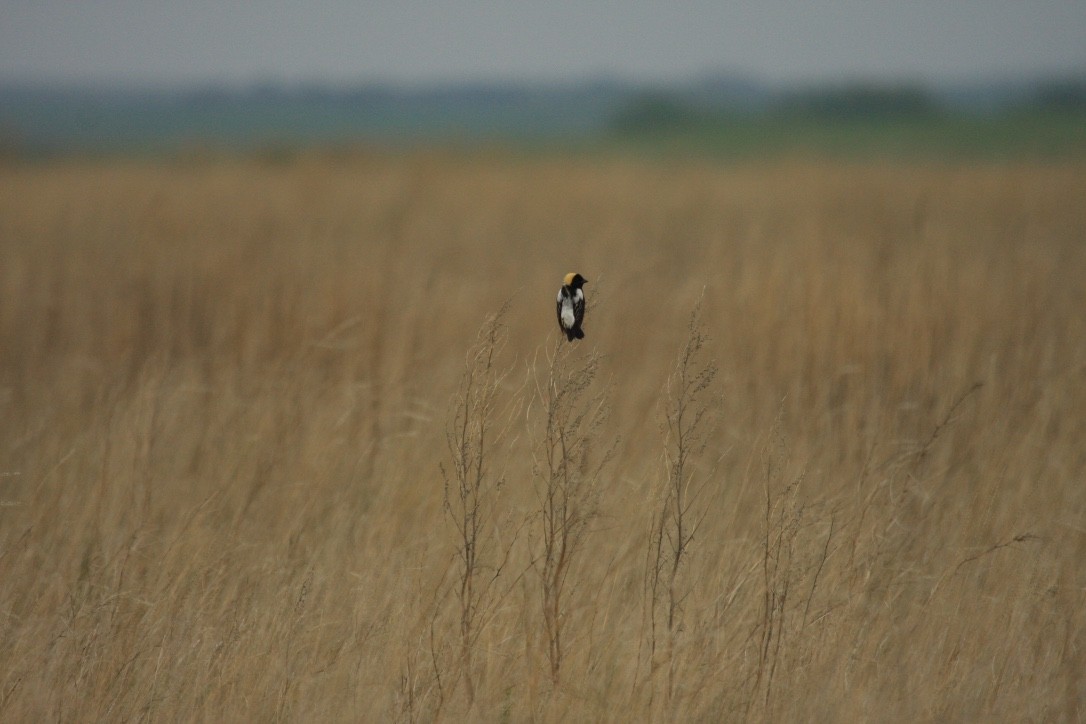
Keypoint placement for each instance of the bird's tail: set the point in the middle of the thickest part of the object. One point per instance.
(575, 333)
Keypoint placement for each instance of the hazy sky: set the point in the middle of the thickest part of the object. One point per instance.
(234, 41)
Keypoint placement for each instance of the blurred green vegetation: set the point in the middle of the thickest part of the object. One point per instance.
(858, 121)
(1033, 134)
(716, 118)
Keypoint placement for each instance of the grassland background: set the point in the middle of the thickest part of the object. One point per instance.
(225, 386)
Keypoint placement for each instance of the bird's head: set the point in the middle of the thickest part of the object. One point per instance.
(574, 280)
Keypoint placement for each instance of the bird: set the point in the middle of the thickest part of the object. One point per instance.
(571, 306)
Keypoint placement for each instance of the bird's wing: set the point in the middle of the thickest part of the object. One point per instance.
(578, 306)
(559, 307)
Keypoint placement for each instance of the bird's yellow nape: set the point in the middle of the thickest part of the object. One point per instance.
(569, 278)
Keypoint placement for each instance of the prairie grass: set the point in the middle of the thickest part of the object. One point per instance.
(244, 477)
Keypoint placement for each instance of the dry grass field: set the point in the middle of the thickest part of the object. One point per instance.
(263, 457)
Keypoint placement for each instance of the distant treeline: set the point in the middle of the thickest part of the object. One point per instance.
(36, 120)
(662, 110)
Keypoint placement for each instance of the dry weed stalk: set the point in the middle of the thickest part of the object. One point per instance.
(691, 408)
(290, 676)
(472, 491)
(780, 570)
(567, 467)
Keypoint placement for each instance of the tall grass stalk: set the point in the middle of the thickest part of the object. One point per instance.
(568, 464)
(478, 426)
(691, 407)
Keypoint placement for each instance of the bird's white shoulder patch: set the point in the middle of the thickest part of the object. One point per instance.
(578, 295)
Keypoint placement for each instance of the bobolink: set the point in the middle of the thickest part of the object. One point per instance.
(571, 306)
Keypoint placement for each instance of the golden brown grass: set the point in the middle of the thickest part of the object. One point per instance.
(229, 389)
